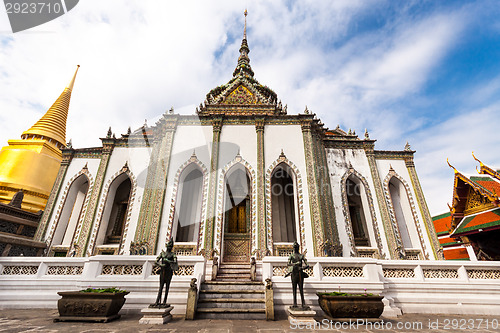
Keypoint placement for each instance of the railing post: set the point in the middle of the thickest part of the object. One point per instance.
(269, 299)
(192, 300)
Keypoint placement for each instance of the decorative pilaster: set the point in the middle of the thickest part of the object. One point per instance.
(384, 210)
(67, 156)
(152, 203)
(314, 200)
(82, 234)
(261, 203)
(424, 210)
(332, 245)
(212, 188)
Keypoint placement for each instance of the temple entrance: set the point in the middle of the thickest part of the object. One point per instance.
(237, 216)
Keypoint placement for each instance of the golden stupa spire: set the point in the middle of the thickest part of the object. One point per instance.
(31, 163)
(52, 125)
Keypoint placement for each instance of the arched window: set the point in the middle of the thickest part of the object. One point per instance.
(356, 212)
(115, 211)
(70, 214)
(283, 205)
(188, 215)
(401, 205)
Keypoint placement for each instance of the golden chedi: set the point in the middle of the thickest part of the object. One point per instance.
(31, 164)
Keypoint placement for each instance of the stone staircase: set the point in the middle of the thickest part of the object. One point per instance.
(232, 296)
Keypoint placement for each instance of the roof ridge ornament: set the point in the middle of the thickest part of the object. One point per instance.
(480, 163)
(451, 166)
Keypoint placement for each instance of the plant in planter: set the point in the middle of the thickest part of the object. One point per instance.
(345, 305)
(101, 304)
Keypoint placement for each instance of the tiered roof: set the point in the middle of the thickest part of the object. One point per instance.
(243, 94)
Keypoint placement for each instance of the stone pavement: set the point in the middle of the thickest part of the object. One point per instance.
(41, 320)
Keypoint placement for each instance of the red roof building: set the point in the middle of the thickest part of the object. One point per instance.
(472, 227)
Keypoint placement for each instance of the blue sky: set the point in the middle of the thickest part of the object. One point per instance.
(426, 72)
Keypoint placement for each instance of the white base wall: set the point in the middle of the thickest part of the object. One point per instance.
(447, 287)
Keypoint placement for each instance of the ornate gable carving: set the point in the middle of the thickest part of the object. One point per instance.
(241, 95)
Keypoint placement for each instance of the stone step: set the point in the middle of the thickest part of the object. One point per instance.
(225, 285)
(232, 300)
(234, 277)
(232, 291)
(233, 283)
(233, 269)
(238, 266)
(230, 313)
(222, 303)
(210, 294)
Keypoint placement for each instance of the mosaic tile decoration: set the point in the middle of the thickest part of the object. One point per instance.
(85, 172)
(345, 209)
(104, 197)
(204, 198)
(297, 179)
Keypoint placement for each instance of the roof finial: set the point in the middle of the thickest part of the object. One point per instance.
(72, 82)
(245, 29)
(243, 67)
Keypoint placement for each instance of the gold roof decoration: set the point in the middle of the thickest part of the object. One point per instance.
(52, 125)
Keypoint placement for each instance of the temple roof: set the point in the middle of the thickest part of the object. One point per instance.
(243, 94)
(52, 125)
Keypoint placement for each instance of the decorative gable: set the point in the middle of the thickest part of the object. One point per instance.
(241, 95)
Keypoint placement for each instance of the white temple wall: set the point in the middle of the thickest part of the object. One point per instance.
(338, 165)
(243, 137)
(289, 138)
(410, 206)
(187, 139)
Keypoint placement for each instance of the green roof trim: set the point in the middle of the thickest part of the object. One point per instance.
(463, 225)
(439, 217)
(484, 179)
(452, 243)
(442, 233)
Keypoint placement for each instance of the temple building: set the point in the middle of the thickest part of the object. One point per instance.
(240, 178)
(471, 229)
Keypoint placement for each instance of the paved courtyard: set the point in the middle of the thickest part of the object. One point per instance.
(41, 320)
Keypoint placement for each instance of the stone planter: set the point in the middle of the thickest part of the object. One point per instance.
(84, 306)
(351, 306)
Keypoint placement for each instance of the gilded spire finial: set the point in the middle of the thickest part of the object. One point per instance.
(72, 82)
(245, 29)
